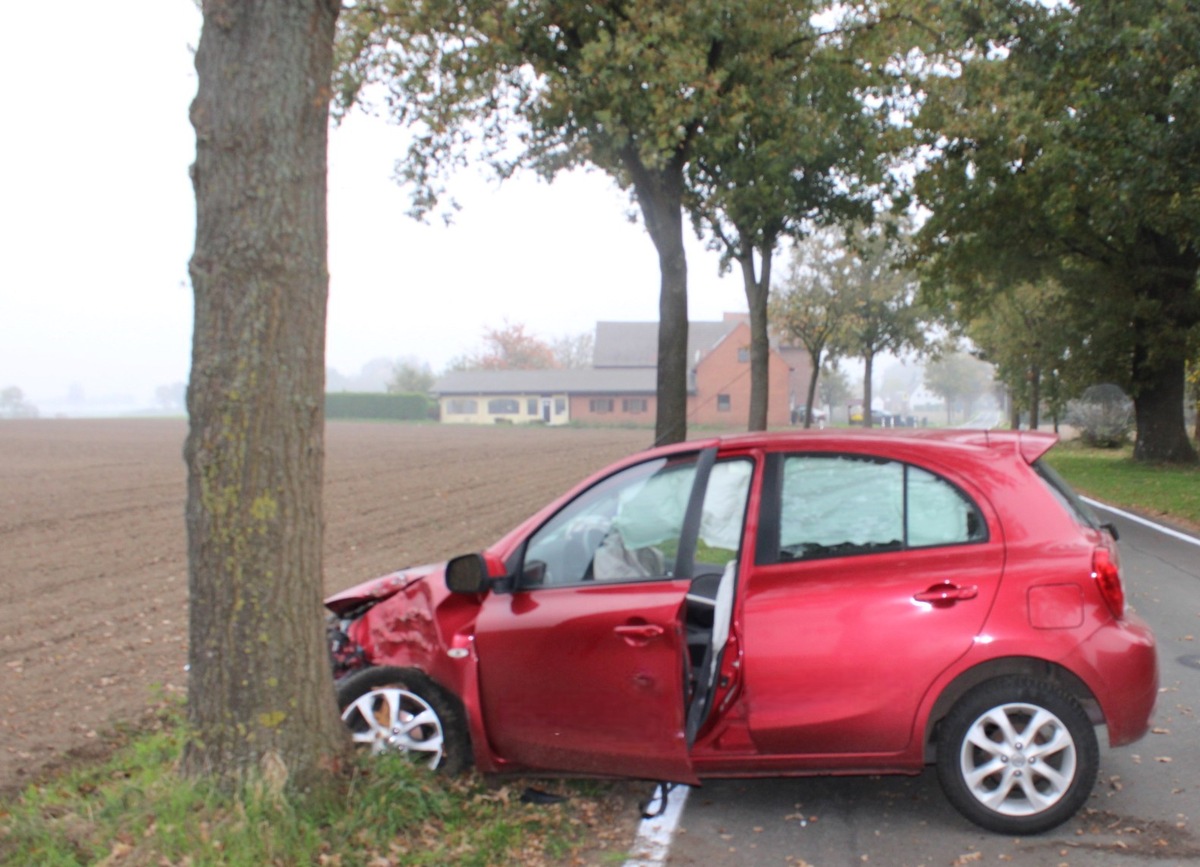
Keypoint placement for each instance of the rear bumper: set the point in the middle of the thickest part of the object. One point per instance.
(1119, 661)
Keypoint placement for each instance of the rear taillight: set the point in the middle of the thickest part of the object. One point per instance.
(1107, 573)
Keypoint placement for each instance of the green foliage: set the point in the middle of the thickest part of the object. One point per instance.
(135, 809)
(1026, 331)
(411, 376)
(14, 405)
(809, 307)
(960, 379)
(881, 312)
(372, 405)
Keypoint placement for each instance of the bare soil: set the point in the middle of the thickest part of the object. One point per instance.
(93, 566)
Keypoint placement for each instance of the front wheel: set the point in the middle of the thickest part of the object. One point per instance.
(402, 710)
(1017, 756)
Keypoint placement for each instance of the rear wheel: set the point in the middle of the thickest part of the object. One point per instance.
(402, 710)
(1017, 756)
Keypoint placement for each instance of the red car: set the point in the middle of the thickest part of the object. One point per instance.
(774, 605)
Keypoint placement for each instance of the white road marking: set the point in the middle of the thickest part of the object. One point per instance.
(652, 846)
(1138, 519)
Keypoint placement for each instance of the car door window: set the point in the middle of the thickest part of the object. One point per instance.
(833, 506)
(626, 528)
(722, 515)
(940, 514)
(837, 505)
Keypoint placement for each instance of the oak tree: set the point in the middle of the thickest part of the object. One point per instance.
(1065, 147)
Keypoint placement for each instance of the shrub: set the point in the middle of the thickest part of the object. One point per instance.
(374, 405)
(1103, 416)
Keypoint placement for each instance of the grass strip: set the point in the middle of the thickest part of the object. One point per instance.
(1113, 476)
(135, 809)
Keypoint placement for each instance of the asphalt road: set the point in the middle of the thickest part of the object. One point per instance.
(1144, 810)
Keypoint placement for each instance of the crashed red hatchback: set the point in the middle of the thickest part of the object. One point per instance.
(774, 605)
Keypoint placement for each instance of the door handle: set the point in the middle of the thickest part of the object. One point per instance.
(639, 630)
(947, 592)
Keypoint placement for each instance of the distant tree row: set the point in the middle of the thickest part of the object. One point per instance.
(14, 405)
(848, 295)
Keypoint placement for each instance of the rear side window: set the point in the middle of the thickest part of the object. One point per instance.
(1066, 496)
(840, 505)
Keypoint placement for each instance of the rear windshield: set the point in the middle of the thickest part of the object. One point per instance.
(1063, 492)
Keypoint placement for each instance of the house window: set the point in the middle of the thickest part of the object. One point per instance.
(560, 405)
(504, 406)
(531, 407)
(743, 355)
(461, 406)
(635, 404)
(600, 404)
(724, 403)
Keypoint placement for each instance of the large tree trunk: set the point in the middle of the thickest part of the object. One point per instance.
(1035, 397)
(260, 693)
(868, 373)
(815, 357)
(1170, 306)
(757, 291)
(660, 196)
(1158, 407)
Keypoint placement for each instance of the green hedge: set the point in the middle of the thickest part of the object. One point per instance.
(372, 405)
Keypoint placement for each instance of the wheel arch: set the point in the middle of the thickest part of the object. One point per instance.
(1040, 669)
(448, 707)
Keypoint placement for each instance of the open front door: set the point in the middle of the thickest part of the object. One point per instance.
(587, 679)
(583, 666)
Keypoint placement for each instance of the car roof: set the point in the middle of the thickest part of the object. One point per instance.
(1030, 445)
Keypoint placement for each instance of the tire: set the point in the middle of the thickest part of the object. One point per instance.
(402, 710)
(1017, 756)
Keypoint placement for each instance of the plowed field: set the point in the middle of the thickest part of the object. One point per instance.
(93, 570)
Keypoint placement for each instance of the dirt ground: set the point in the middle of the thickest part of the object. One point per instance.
(93, 570)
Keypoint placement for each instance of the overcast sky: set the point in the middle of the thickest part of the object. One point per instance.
(98, 224)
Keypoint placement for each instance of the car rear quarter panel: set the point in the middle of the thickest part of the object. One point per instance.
(1050, 620)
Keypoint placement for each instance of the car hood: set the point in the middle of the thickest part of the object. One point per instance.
(378, 589)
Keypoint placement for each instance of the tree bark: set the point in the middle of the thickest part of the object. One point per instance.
(1035, 396)
(1158, 407)
(660, 197)
(868, 368)
(757, 291)
(260, 693)
(1169, 308)
(815, 357)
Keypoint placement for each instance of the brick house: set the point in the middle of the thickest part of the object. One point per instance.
(620, 387)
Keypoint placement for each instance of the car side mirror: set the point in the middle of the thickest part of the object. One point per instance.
(467, 574)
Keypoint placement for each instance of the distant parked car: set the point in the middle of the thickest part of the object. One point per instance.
(773, 605)
(800, 413)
